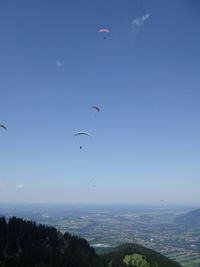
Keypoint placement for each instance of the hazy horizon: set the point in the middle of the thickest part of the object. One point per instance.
(114, 204)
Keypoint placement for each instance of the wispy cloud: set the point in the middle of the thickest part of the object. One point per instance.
(20, 186)
(60, 63)
(139, 21)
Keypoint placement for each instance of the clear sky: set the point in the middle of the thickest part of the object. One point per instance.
(145, 77)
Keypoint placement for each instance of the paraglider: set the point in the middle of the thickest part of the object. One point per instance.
(80, 134)
(96, 108)
(105, 31)
(2, 126)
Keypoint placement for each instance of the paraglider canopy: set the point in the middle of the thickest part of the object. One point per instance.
(82, 133)
(96, 108)
(2, 126)
(104, 30)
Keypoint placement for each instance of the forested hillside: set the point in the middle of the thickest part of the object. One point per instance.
(26, 244)
(137, 256)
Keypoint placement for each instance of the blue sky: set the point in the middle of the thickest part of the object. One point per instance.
(145, 78)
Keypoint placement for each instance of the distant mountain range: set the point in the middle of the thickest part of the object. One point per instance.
(190, 219)
(27, 244)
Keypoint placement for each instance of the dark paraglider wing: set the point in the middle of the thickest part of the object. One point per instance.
(82, 133)
(96, 108)
(2, 126)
